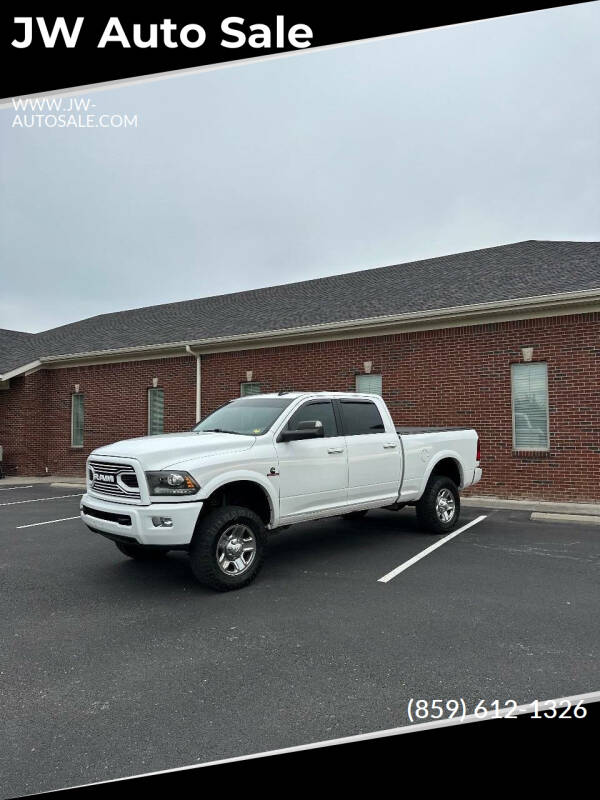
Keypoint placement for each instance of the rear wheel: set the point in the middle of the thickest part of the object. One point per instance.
(139, 552)
(439, 508)
(228, 548)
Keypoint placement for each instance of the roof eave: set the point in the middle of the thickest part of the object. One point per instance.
(14, 373)
(477, 313)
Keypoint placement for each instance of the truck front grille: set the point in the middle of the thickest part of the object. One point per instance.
(114, 480)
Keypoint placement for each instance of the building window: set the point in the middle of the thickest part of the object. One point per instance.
(369, 384)
(77, 419)
(156, 407)
(530, 406)
(249, 387)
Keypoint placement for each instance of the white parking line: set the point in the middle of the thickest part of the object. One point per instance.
(49, 522)
(12, 488)
(427, 550)
(39, 499)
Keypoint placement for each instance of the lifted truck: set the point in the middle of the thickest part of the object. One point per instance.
(265, 462)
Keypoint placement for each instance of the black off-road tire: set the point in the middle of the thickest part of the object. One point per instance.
(356, 514)
(427, 514)
(141, 553)
(203, 548)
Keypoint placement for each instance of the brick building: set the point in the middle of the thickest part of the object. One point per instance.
(505, 339)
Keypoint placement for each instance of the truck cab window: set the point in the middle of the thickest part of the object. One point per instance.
(321, 410)
(360, 417)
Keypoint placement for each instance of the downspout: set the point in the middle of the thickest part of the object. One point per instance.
(198, 381)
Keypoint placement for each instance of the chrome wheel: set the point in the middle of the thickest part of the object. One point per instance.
(445, 505)
(236, 549)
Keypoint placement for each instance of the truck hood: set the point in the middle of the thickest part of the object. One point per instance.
(160, 452)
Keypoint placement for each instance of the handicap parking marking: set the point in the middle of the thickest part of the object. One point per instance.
(47, 522)
(39, 499)
(404, 566)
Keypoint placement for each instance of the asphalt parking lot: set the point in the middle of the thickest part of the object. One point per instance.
(112, 667)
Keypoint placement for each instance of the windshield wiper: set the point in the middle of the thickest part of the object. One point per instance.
(219, 430)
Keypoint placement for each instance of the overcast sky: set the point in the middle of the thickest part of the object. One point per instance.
(294, 168)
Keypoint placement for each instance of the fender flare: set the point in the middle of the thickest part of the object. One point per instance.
(452, 454)
(250, 477)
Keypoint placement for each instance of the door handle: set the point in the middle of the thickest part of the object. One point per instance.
(389, 446)
(336, 450)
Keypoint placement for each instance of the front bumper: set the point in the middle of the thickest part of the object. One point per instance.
(134, 523)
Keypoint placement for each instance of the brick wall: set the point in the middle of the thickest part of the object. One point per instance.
(35, 414)
(457, 376)
(22, 425)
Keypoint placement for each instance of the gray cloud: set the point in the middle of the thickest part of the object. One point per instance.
(323, 162)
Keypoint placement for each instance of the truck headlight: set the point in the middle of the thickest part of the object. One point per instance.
(171, 482)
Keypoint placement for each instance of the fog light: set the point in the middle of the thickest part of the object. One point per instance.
(162, 522)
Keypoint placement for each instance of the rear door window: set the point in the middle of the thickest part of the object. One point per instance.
(360, 417)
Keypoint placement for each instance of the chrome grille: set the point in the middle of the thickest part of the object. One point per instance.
(114, 488)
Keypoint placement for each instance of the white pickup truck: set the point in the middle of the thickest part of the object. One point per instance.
(263, 462)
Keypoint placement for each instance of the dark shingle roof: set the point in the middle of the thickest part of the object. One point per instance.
(508, 272)
(16, 348)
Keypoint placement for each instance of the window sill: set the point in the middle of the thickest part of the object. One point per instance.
(530, 453)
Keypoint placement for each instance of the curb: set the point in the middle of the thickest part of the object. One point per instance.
(51, 480)
(543, 506)
(581, 519)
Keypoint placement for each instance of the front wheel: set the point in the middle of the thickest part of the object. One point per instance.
(439, 508)
(228, 548)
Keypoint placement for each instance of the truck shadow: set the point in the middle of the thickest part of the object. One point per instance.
(307, 546)
(329, 545)
(311, 543)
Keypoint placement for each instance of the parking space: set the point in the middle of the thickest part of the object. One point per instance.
(113, 667)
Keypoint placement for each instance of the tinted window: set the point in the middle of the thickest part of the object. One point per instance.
(323, 411)
(249, 416)
(361, 418)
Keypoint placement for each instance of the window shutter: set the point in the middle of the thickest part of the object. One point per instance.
(530, 406)
(369, 384)
(156, 404)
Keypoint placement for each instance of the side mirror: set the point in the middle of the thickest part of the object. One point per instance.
(309, 429)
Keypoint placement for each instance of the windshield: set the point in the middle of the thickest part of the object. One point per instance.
(247, 416)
